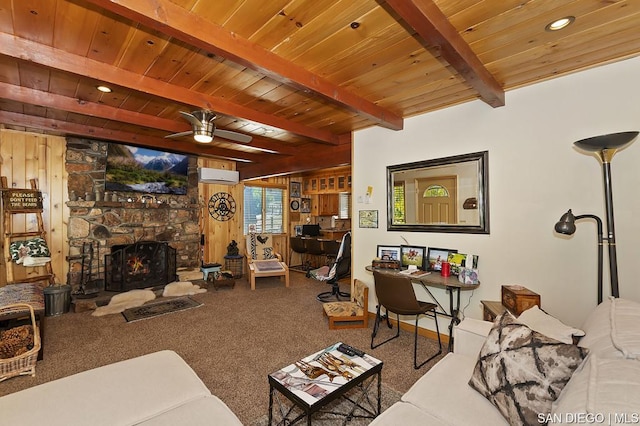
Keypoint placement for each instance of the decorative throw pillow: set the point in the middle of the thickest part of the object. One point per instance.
(36, 247)
(538, 320)
(521, 371)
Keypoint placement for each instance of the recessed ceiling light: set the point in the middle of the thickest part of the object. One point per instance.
(559, 24)
(104, 89)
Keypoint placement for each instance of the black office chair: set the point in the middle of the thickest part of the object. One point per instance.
(331, 248)
(338, 270)
(396, 294)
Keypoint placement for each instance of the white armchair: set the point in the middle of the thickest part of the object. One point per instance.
(262, 261)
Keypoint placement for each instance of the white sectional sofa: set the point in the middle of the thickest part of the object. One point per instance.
(157, 389)
(604, 389)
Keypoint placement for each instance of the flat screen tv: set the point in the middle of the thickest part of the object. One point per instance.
(131, 168)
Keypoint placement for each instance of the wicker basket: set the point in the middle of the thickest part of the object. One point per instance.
(25, 363)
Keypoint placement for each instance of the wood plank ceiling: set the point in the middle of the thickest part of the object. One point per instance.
(298, 76)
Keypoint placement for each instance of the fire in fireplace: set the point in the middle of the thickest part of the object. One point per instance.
(140, 265)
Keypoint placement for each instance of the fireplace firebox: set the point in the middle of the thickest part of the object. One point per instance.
(140, 265)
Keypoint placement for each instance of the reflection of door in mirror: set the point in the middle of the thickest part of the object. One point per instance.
(436, 200)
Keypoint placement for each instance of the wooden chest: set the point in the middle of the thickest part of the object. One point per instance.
(518, 299)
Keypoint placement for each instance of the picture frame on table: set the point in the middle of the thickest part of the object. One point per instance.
(368, 218)
(413, 255)
(435, 257)
(388, 252)
(294, 190)
(460, 260)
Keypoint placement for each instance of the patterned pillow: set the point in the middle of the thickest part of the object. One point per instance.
(260, 247)
(521, 371)
(36, 247)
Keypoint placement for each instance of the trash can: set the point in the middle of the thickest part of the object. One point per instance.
(57, 300)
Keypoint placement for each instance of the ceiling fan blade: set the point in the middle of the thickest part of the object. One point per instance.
(191, 118)
(234, 136)
(176, 135)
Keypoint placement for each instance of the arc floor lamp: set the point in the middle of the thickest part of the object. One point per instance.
(605, 147)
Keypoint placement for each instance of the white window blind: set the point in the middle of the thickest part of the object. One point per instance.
(263, 209)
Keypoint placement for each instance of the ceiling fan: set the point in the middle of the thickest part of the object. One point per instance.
(204, 129)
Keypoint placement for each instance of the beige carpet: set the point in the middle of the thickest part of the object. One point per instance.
(232, 342)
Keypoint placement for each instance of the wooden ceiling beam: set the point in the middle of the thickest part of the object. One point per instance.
(51, 57)
(177, 22)
(308, 158)
(93, 109)
(432, 25)
(74, 129)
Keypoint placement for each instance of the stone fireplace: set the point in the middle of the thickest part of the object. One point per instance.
(140, 265)
(117, 219)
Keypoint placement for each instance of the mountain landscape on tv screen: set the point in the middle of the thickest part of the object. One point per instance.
(145, 170)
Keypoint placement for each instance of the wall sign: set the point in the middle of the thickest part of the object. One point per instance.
(22, 200)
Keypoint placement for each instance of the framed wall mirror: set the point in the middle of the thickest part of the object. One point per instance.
(448, 194)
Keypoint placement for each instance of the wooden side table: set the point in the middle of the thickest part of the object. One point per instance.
(491, 309)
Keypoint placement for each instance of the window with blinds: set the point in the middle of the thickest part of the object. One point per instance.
(263, 210)
(344, 203)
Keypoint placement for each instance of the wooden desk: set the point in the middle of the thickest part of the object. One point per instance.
(450, 284)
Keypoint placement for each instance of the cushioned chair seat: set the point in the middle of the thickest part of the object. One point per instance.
(352, 314)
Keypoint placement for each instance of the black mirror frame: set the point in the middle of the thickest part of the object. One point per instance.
(483, 196)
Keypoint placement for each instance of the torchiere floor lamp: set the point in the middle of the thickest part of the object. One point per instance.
(605, 147)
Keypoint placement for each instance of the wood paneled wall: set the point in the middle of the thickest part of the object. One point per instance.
(219, 234)
(25, 156)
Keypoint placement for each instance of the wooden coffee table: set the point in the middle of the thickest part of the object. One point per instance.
(308, 393)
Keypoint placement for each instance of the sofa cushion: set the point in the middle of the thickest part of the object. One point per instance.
(205, 411)
(442, 390)
(405, 414)
(611, 329)
(521, 371)
(123, 393)
(538, 320)
(606, 386)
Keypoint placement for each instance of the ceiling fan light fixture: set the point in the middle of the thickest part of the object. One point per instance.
(559, 24)
(203, 132)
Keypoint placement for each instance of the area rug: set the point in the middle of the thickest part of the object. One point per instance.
(389, 397)
(161, 307)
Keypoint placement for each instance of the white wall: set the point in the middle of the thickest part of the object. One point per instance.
(535, 175)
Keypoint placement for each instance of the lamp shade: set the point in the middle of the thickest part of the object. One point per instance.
(567, 224)
(610, 141)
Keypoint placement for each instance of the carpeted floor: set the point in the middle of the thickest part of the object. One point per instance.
(232, 342)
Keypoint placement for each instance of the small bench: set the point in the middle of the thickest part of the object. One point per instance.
(31, 294)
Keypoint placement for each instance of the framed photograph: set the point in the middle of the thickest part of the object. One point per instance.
(388, 252)
(368, 218)
(305, 205)
(295, 190)
(459, 260)
(412, 255)
(295, 205)
(298, 229)
(436, 256)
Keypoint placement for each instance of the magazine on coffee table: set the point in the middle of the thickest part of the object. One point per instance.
(316, 376)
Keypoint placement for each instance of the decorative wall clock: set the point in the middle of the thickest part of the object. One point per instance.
(222, 206)
(295, 205)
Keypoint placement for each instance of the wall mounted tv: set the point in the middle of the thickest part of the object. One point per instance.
(131, 168)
